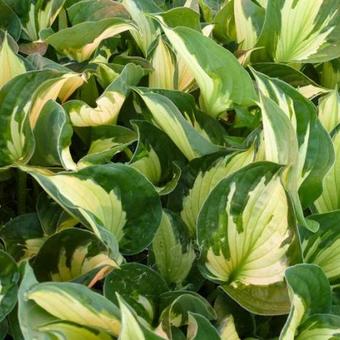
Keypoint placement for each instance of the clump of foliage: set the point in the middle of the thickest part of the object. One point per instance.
(169, 169)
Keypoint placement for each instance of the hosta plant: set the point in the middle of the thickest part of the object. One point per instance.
(169, 169)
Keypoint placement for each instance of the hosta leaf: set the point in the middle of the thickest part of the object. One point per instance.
(286, 73)
(139, 285)
(156, 157)
(61, 87)
(193, 4)
(208, 127)
(147, 30)
(149, 166)
(281, 145)
(89, 10)
(9, 20)
(10, 63)
(301, 31)
(199, 328)
(163, 74)
(222, 80)
(182, 16)
(76, 45)
(307, 167)
(51, 216)
(30, 316)
(108, 104)
(330, 75)
(19, 114)
(248, 238)
(39, 63)
(330, 197)
(310, 294)
(114, 197)
(279, 135)
(231, 315)
(72, 79)
(249, 19)
(329, 110)
(320, 327)
(73, 255)
(206, 180)
(172, 249)
(23, 236)
(204, 204)
(228, 330)
(168, 118)
(179, 305)
(54, 151)
(37, 16)
(78, 304)
(131, 328)
(224, 29)
(9, 277)
(105, 73)
(106, 141)
(209, 8)
(321, 248)
(68, 330)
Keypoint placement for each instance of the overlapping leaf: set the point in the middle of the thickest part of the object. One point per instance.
(169, 169)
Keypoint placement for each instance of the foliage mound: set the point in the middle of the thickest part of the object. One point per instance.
(169, 169)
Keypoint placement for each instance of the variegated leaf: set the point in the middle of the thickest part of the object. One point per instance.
(132, 328)
(139, 285)
(205, 182)
(52, 217)
(168, 118)
(228, 330)
(329, 110)
(76, 45)
(23, 236)
(55, 151)
(309, 293)
(157, 157)
(30, 316)
(11, 64)
(307, 168)
(88, 10)
(69, 330)
(329, 199)
(249, 18)
(114, 197)
(200, 328)
(176, 308)
(322, 248)
(146, 31)
(74, 255)
(19, 114)
(108, 104)
(163, 74)
(39, 16)
(248, 238)
(106, 142)
(172, 248)
(330, 74)
(324, 326)
(300, 31)
(222, 80)
(78, 304)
